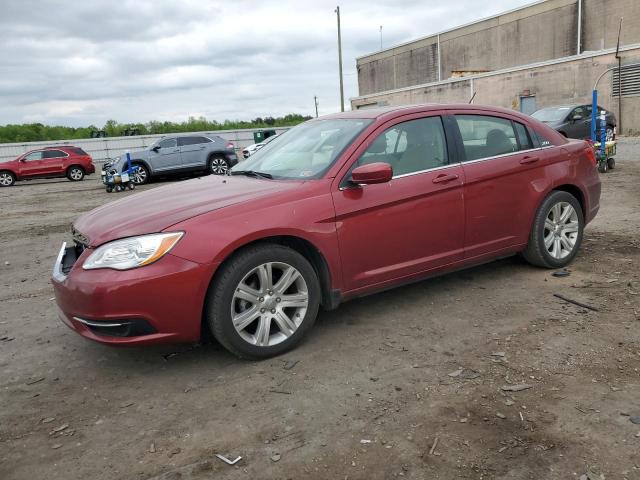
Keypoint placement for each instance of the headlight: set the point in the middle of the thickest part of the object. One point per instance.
(132, 252)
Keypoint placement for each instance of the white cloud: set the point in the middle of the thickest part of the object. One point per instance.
(74, 62)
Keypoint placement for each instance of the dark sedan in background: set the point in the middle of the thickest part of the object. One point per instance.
(574, 121)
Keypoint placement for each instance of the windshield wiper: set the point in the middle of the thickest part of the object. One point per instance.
(252, 173)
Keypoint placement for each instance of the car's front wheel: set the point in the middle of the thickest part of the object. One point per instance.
(7, 179)
(141, 174)
(263, 301)
(557, 231)
(218, 165)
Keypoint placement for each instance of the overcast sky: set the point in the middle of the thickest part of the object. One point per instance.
(83, 62)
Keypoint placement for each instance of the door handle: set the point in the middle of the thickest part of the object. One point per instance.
(444, 178)
(528, 160)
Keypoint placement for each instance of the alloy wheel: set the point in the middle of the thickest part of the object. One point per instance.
(561, 228)
(76, 174)
(140, 175)
(219, 166)
(6, 180)
(269, 304)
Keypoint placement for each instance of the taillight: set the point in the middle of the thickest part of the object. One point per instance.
(230, 146)
(591, 155)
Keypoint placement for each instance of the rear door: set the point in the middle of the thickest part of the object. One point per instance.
(53, 162)
(414, 223)
(32, 165)
(193, 151)
(167, 157)
(501, 168)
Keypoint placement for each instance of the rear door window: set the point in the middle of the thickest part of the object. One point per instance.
(524, 139)
(485, 136)
(53, 154)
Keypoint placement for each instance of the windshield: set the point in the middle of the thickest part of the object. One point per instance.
(305, 151)
(551, 114)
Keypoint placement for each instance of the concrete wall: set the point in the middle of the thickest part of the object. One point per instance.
(541, 31)
(567, 81)
(102, 149)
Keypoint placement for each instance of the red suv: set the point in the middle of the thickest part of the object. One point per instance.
(50, 162)
(338, 207)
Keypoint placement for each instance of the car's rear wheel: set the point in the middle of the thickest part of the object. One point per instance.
(263, 301)
(218, 165)
(141, 174)
(557, 231)
(7, 179)
(75, 173)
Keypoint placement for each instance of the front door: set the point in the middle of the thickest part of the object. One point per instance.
(167, 156)
(501, 169)
(412, 224)
(579, 123)
(32, 165)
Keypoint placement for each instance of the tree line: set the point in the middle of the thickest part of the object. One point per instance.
(34, 132)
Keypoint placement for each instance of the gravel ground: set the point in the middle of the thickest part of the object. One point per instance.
(408, 383)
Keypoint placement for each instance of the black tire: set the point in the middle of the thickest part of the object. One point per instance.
(220, 298)
(536, 252)
(611, 163)
(109, 189)
(7, 179)
(603, 166)
(118, 188)
(75, 173)
(218, 165)
(142, 176)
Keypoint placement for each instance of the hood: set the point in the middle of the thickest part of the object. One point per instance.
(155, 210)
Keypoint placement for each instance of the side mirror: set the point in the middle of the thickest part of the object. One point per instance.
(575, 118)
(372, 173)
(155, 149)
(23, 159)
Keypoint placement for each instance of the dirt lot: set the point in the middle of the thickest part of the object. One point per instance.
(368, 394)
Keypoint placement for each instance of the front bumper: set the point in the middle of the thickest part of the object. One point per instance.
(158, 303)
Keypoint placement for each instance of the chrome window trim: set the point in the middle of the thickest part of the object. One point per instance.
(418, 172)
(66, 155)
(477, 160)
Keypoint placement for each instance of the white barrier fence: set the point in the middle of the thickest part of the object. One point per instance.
(102, 149)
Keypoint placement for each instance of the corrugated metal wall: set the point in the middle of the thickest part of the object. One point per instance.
(102, 149)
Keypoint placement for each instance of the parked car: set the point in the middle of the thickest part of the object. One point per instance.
(49, 162)
(339, 207)
(574, 121)
(251, 149)
(180, 154)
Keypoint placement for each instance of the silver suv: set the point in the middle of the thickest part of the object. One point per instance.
(180, 154)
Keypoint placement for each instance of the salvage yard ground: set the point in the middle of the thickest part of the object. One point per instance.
(410, 383)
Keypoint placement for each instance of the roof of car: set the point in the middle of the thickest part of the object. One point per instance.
(393, 111)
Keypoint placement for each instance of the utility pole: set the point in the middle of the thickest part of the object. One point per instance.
(380, 37)
(619, 58)
(315, 99)
(337, 10)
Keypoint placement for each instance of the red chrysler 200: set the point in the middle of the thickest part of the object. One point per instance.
(335, 208)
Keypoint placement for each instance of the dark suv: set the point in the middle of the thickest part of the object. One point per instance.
(574, 121)
(180, 154)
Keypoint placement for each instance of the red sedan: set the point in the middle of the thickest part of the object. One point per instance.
(336, 208)
(50, 162)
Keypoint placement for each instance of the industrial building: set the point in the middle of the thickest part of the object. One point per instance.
(546, 53)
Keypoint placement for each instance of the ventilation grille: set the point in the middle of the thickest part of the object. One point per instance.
(630, 81)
